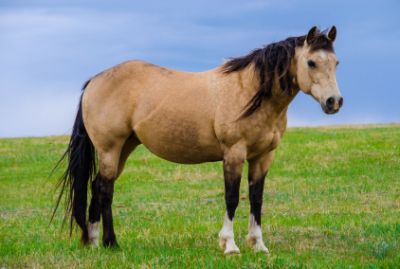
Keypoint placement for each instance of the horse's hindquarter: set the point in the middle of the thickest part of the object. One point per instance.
(174, 118)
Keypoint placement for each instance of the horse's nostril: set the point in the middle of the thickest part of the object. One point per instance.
(340, 101)
(330, 102)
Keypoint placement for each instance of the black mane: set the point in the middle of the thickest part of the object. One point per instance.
(272, 61)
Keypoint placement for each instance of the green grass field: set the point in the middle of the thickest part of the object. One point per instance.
(332, 200)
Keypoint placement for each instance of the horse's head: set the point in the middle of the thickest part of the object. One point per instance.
(316, 69)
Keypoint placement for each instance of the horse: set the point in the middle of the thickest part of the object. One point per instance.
(234, 113)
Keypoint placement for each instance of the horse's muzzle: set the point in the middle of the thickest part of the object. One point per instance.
(332, 104)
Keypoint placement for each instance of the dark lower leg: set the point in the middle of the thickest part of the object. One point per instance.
(232, 186)
(94, 208)
(256, 190)
(232, 176)
(106, 196)
(258, 169)
(94, 212)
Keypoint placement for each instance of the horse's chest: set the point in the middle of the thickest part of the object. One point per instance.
(266, 140)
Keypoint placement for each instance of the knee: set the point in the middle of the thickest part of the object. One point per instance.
(234, 159)
(233, 168)
(109, 173)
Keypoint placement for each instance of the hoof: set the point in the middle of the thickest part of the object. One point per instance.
(115, 246)
(94, 242)
(85, 239)
(229, 246)
(111, 244)
(232, 251)
(257, 244)
(261, 248)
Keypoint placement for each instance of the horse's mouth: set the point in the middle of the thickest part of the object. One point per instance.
(329, 111)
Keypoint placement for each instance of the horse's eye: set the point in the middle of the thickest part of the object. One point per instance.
(311, 64)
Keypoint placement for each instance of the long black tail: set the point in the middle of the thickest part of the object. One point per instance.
(81, 157)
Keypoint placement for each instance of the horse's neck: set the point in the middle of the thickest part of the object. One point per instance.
(280, 100)
(241, 86)
(273, 111)
(275, 105)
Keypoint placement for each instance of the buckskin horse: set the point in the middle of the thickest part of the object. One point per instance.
(234, 113)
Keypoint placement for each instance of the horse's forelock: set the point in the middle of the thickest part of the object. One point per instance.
(321, 41)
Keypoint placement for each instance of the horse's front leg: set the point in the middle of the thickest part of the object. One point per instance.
(233, 166)
(258, 169)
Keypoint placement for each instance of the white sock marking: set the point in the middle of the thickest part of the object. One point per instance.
(226, 237)
(254, 238)
(93, 229)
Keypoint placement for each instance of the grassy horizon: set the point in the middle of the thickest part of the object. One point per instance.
(331, 200)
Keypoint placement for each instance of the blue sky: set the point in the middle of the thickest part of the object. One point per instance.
(48, 48)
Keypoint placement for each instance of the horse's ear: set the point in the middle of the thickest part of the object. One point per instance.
(311, 34)
(332, 33)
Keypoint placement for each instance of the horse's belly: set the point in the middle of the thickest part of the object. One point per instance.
(180, 140)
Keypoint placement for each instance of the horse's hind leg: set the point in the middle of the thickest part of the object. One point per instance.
(102, 193)
(111, 166)
(94, 212)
